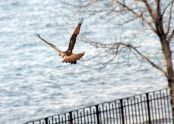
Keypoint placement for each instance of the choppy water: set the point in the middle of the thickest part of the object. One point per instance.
(35, 83)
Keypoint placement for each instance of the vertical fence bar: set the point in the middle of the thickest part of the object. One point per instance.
(46, 120)
(100, 115)
(84, 115)
(148, 108)
(122, 111)
(87, 117)
(81, 118)
(59, 119)
(97, 114)
(103, 113)
(78, 120)
(106, 113)
(91, 114)
(70, 118)
(109, 111)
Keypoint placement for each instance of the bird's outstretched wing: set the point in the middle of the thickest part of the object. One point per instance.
(73, 57)
(74, 36)
(51, 45)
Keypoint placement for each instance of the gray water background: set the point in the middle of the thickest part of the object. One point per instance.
(35, 83)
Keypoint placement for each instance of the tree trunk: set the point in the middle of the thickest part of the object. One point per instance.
(165, 44)
(171, 86)
(167, 54)
(169, 70)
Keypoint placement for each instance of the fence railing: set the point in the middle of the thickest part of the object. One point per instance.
(149, 108)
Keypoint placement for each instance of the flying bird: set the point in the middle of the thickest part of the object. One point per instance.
(68, 56)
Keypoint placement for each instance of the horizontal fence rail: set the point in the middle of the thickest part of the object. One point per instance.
(149, 108)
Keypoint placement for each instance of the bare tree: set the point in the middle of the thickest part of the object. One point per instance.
(156, 16)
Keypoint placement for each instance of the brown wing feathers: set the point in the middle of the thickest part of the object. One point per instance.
(51, 45)
(68, 56)
(74, 37)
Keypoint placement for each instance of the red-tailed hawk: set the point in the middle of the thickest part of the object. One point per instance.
(67, 55)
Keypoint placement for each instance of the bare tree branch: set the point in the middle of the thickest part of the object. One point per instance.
(148, 60)
(169, 38)
(140, 16)
(158, 2)
(170, 17)
(117, 45)
(129, 20)
(149, 8)
(165, 8)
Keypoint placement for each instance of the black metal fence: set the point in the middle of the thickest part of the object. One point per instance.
(149, 108)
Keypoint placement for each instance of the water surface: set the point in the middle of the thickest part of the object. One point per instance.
(35, 83)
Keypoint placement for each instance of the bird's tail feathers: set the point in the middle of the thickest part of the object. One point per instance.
(73, 58)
